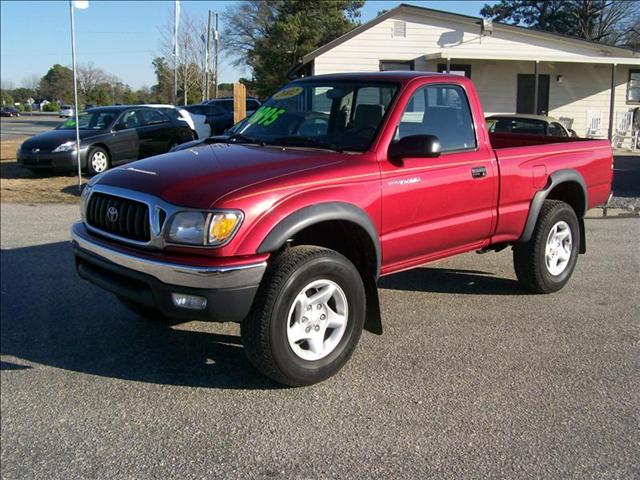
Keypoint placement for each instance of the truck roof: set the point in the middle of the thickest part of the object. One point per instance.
(401, 76)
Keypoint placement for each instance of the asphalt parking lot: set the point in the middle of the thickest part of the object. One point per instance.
(27, 125)
(472, 377)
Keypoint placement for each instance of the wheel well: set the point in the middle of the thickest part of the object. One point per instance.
(571, 193)
(347, 238)
(102, 146)
(352, 241)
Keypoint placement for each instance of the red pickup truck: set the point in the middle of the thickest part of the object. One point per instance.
(286, 224)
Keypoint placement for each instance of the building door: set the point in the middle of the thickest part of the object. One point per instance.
(526, 86)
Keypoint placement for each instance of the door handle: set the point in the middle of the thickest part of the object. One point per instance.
(479, 172)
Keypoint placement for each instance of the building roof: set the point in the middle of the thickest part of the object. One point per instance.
(413, 9)
(400, 76)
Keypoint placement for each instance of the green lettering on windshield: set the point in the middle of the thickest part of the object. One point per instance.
(265, 116)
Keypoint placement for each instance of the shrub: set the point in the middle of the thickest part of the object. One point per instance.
(51, 107)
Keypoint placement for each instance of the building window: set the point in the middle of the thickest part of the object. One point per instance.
(456, 69)
(386, 65)
(633, 87)
(399, 29)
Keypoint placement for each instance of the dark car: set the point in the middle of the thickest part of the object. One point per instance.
(9, 112)
(528, 124)
(219, 112)
(109, 136)
(226, 103)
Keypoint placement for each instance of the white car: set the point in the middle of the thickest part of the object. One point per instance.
(197, 123)
(66, 111)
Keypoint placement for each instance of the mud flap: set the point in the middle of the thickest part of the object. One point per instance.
(373, 321)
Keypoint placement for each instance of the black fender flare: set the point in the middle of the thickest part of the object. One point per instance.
(321, 212)
(555, 179)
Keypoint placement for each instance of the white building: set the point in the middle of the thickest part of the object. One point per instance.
(577, 79)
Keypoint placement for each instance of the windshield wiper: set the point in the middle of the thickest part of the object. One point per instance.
(306, 142)
(242, 138)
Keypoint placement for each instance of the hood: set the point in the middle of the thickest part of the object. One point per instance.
(199, 176)
(56, 137)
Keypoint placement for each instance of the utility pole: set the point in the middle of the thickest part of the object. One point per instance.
(216, 42)
(75, 93)
(206, 60)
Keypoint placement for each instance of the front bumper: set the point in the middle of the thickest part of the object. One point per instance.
(229, 290)
(59, 161)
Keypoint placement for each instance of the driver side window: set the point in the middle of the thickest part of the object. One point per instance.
(443, 111)
(556, 130)
(130, 119)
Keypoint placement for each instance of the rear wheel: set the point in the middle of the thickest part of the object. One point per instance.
(97, 160)
(307, 316)
(545, 263)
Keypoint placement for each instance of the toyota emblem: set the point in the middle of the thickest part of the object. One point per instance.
(112, 214)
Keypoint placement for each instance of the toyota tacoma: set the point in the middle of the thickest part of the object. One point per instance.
(285, 224)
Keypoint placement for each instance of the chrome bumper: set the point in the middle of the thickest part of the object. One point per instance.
(172, 273)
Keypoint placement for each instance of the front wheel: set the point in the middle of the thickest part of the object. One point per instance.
(97, 160)
(545, 263)
(307, 316)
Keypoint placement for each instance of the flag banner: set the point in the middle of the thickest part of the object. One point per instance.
(202, 37)
(81, 4)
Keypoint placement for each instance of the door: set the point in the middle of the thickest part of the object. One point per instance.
(124, 143)
(435, 206)
(156, 133)
(526, 89)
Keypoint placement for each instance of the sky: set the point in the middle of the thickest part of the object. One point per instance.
(120, 37)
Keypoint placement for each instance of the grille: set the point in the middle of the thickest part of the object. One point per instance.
(131, 220)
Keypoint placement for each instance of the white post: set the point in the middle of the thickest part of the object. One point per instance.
(176, 14)
(75, 93)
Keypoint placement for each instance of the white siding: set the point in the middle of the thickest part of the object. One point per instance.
(428, 35)
(584, 87)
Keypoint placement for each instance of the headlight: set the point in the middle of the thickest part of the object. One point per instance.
(203, 228)
(66, 146)
(222, 226)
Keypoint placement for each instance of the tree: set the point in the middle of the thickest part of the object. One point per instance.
(32, 82)
(270, 37)
(614, 22)
(89, 78)
(57, 84)
(189, 62)
(163, 89)
(244, 24)
(7, 99)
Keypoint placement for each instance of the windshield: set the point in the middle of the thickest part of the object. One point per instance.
(333, 115)
(90, 121)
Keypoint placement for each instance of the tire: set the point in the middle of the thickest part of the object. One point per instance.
(279, 315)
(98, 161)
(541, 264)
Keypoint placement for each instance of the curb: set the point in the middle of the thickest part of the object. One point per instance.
(605, 212)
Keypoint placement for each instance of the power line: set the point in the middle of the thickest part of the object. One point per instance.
(124, 52)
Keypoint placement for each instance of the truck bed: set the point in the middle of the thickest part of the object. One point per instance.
(526, 163)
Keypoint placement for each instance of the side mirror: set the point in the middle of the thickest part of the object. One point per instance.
(415, 146)
(117, 127)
